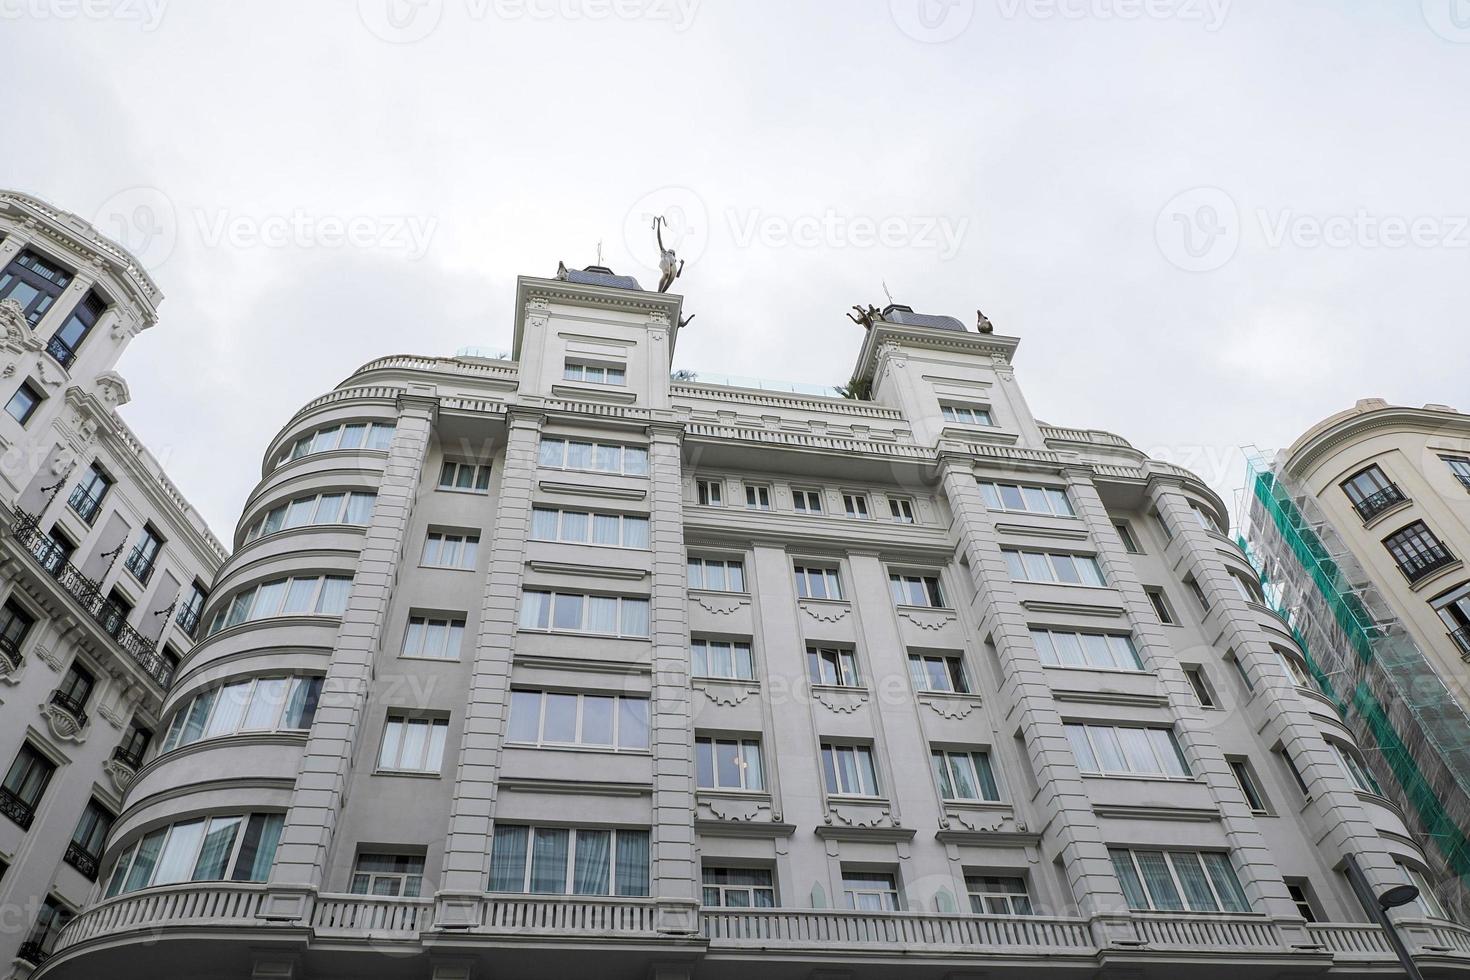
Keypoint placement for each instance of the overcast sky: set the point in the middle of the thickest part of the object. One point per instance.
(1212, 223)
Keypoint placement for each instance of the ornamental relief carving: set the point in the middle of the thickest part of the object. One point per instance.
(718, 606)
(841, 702)
(825, 614)
(729, 695)
(15, 331)
(927, 621)
(952, 708)
(980, 821)
(736, 811)
(11, 665)
(63, 724)
(119, 774)
(850, 815)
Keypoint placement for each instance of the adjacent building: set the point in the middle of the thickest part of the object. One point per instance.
(104, 568)
(1361, 527)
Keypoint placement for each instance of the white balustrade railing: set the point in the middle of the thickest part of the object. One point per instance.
(365, 916)
(1207, 931)
(212, 903)
(1351, 940)
(570, 916)
(814, 929)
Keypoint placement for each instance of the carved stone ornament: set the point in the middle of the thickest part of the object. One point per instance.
(719, 606)
(860, 816)
(10, 666)
(112, 389)
(737, 811)
(15, 331)
(841, 702)
(63, 724)
(121, 774)
(980, 821)
(726, 694)
(927, 621)
(952, 708)
(826, 614)
(49, 657)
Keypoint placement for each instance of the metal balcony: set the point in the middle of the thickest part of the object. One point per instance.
(81, 859)
(140, 563)
(85, 504)
(1461, 637)
(60, 352)
(1374, 504)
(188, 620)
(17, 809)
(1422, 564)
(10, 652)
(31, 952)
(71, 706)
(133, 760)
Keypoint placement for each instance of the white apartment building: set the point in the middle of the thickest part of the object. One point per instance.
(555, 666)
(104, 568)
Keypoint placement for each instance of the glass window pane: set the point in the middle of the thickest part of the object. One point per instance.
(229, 709)
(597, 720)
(333, 600)
(633, 723)
(214, 856)
(1081, 748)
(176, 862)
(543, 524)
(265, 704)
(300, 596)
(1227, 886)
(141, 872)
(561, 718)
(635, 617)
(525, 716)
(1138, 750)
(508, 858)
(632, 863)
(574, 525)
(1127, 874)
(415, 741)
(549, 861)
(606, 529)
(567, 612)
(593, 871)
(1160, 883)
(1036, 500)
(602, 614)
(536, 610)
(1192, 878)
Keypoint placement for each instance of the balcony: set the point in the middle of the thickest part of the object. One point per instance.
(88, 595)
(1419, 565)
(81, 859)
(32, 952)
(140, 563)
(18, 810)
(188, 620)
(60, 351)
(85, 504)
(1461, 637)
(125, 756)
(71, 706)
(10, 656)
(1376, 503)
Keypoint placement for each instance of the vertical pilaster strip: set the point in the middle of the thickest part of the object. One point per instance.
(467, 845)
(1062, 793)
(327, 759)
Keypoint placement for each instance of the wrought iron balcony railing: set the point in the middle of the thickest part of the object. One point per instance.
(1461, 637)
(133, 760)
(71, 706)
(140, 563)
(1422, 564)
(10, 650)
(80, 858)
(17, 809)
(188, 620)
(60, 352)
(1376, 503)
(87, 594)
(85, 504)
(32, 952)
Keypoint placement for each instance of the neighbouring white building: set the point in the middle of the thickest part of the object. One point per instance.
(555, 666)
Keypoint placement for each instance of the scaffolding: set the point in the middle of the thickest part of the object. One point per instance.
(1362, 657)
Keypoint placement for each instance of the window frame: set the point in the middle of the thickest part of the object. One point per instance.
(1417, 551)
(407, 883)
(461, 545)
(372, 439)
(699, 652)
(830, 575)
(590, 521)
(451, 469)
(1052, 651)
(1026, 499)
(841, 659)
(618, 717)
(1102, 750)
(951, 667)
(856, 505)
(452, 630)
(724, 889)
(709, 492)
(121, 872)
(1024, 561)
(985, 898)
(30, 391)
(981, 774)
(1141, 879)
(746, 747)
(730, 569)
(551, 608)
(864, 769)
(808, 501)
(902, 583)
(435, 741)
(626, 453)
(580, 371)
(183, 716)
(954, 412)
(757, 496)
(527, 843)
(889, 899)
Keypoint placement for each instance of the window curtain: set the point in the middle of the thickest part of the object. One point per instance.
(549, 862)
(1160, 884)
(632, 863)
(1133, 891)
(1192, 876)
(508, 859)
(594, 859)
(218, 842)
(1226, 884)
(258, 850)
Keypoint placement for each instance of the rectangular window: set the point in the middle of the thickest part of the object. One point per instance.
(1176, 881)
(721, 658)
(1296, 774)
(254, 704)
(996, 895)
(465, 477)
(76, 686)
(567, 612)
(15, 624)
(1197, 592)
(1427, 904)
(728, 763)
(867, 891)
(581, 527)
(1031, 500)
(1371, 492)
(937, 672)
(25, 782)
(1292, 666)
(560, 861)
(1301, 897)
(964, 775)
(817, 583)
(1417, 551)
(1125, 534)
(966, 414)
(377, 436)
(445, 549)
(35, 283)
(915, 590)
(87, 496)
(757, 497)
(807, 501)
(40, 942)
(1162, 609)
(901, 510)
(855, 505)
(739, 888)
(1460, 466)
(413, 744)
(1195, 674)
(833, 666)
(603, 721)
(1064, 569)
(849, 770)
(388, 875)
(23, 403)
(1250, 786)
(234, 847)
(1352, 765)
(87, 840)
(1205, 518)
(717, 574)
(711, 493)
(314, 595)
(575, 454)
(433, 638)
(1118, 751)
(1103, 651)
(594, 374)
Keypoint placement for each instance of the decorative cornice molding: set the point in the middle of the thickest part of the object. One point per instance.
(591, 571)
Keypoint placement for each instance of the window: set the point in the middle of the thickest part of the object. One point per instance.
(1248, 588)
(15, 623)
(466, 477)
(1417, 551)
(938, 672)
(40, 942)
(35, 283)
(1453, 608)
(1114, 750)
(1104, 651)
(25, 783)
(65, 343)
(75, 690)
(433, 638)
(1428, 903)
(832, 666)
(964, 775)
(1195, 674)
(256, 704)
(817, 583)
(580, 527)
(1371, 492)
(1296, 774)
(134, 744)
(377, 436)
(915, 590)
(966, 414)
(807, 501)
(739, 888)
(1292, 666)
(594, 374)
(1160, 602)
(1125, 534)
(23, 403)
(1352, 764)
(600, 457)
(855, 505)
(869, 891)
(597, 720)
(302, 596)
(1205, 518)
(559, 861)
(144, 556)
(757, 497)
(1460, 466)
(1301, 898)
(327, 508)
(86, 497)
(236, 847)
(1031, 500)
(566, 612)
(85, 849)
(1192, 584)
(721, 658)
(711, 493)
(998, 895)
(717, 574)
(728, 763)
(413, 744)
(1173, 881)
(1250, 786)
(1037, 566)
(446, 549)
(849, 770)
(192, 609)
(901, 510)
(388, 874)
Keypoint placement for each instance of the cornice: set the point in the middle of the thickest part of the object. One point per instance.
(1000, 348)
(1346, 428)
